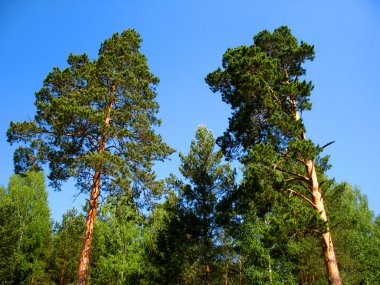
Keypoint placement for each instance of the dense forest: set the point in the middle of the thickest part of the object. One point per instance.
(284, 221)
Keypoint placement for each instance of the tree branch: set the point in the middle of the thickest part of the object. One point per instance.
(299, 176)
(302, 196)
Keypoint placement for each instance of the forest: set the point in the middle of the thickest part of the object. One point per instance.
(284, 221)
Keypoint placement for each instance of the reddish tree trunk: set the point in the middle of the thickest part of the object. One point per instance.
(91, 214)
(87, 238)
(208, 271)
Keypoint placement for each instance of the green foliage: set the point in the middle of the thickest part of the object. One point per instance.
(67, 244)
(208, 181)
(118, 245)
(262, 84)
(96, 122)
(187, 237)
(9, 235)
(26, 230)
(273, 229)
(261, 252)
(356, 234)
(285, 234)
(71, 131)
(100, 116)
(170, 246)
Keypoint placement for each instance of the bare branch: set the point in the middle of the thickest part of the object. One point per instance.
(326, 145)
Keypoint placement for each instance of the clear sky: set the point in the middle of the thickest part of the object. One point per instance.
(185, 40)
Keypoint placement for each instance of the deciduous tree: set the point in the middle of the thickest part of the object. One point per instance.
(26, 229)
(119, 242)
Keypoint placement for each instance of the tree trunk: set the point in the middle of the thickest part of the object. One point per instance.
(240, 271)
(319, 204)
(226, 277)
(87, 238)
(208, 271)
(328, 246)
(91, 214)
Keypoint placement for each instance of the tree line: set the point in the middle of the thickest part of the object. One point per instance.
(285, 222)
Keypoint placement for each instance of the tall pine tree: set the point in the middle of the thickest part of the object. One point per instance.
(96, 122)
(264, 85)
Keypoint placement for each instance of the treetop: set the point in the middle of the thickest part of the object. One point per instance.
(264, 85)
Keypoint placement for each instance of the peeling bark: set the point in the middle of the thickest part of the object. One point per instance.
(328, 246)
(319, 205)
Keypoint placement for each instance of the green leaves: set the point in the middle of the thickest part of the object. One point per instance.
(25, 230)
(119, 243)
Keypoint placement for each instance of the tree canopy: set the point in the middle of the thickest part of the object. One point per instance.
(71, 127)
(263, 85)
(96, 123)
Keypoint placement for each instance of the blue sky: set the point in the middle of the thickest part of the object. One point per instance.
(185, 40)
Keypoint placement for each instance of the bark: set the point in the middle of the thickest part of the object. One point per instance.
(87, 238)
(319, 204)
(226, 277)
(91, 214)
(328, 246)
(208, 271)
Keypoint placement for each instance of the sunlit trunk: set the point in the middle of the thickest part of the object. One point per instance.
(319, 204)
(328, 250)
(93, 205)
(87, 238)
(208, 271)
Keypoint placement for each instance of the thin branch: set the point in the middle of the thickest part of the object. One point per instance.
(292, 179)
(307, 187)
(336, 224)
(113, 146)
(299, 176)
(302, 196)
(326, 145)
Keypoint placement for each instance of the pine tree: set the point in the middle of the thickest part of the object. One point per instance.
(207, 180)
(170, 249)
(264, 85)
(96, 122)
